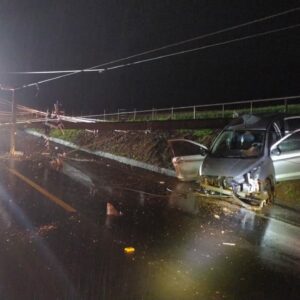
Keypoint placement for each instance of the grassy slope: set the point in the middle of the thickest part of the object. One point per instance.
(149, 147)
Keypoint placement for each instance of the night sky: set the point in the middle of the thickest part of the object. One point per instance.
(71, 34)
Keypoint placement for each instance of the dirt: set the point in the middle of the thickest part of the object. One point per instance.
(289, 193)
(145, 146)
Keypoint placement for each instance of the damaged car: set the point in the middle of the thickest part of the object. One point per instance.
(245, 160)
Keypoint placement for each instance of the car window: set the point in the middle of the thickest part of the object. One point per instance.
(292, 143)
(291, 124)
(185, 148)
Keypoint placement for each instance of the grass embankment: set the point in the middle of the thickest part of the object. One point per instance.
(149, 147)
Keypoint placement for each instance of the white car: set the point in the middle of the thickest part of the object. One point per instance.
(246, 159)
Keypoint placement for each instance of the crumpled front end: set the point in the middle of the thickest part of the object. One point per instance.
(245, 189)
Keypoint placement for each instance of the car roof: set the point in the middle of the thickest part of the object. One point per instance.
(253, 122)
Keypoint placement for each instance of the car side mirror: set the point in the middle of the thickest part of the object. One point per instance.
(204, 151)
(275, 151)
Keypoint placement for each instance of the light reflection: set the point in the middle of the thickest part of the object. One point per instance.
(281, 244)
(247, 219)
(183, 198)
(10, 208)
(78, 176)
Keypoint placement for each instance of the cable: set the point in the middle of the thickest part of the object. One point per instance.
(162, 56)
(91, 69)
(200, 37)
(205, 47)
(52, 72)
(47, 80)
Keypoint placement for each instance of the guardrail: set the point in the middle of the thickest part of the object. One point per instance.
(204, 111)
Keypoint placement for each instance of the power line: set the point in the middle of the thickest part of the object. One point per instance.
(200, 37)
(52, 72)
(160, 48)
(168, 55)
(205, 47)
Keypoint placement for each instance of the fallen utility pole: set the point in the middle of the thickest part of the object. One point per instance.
(147, 125)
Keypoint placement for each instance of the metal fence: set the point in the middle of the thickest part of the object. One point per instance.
(218, 110)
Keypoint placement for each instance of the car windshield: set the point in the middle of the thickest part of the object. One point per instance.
(239, 144)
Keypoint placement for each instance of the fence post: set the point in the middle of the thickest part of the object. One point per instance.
(118, 114)
(152, 114)
(194, 112)
(285, 106)
(104, 115)
(172, 113)
(223, 110)
(134, 114)
(251, 107)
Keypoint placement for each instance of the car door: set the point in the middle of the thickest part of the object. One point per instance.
(285, 155)
(187, 158)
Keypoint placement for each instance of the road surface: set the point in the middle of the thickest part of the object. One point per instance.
(57, 241)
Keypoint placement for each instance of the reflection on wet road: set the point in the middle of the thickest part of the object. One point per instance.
(186, 247)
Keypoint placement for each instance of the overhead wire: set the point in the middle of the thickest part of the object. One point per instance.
(200, 37)
(251, 36)
(74, 72)
(205, 47)
(169, 45)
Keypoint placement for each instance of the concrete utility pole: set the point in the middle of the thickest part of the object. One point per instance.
(12, 151)
(13, 124)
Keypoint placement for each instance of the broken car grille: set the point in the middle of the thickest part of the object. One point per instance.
(217, 181)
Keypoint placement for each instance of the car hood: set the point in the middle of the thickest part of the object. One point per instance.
(229, 167)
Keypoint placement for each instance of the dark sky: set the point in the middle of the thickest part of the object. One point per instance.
(58, 35)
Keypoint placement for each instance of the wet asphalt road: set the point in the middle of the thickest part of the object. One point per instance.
(186, 247)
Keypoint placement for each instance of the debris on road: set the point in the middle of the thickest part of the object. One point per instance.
(129, 250)
(45, 229)
(229, 244)
(112, 211)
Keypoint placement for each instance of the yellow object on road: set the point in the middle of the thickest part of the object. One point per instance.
(129, 250)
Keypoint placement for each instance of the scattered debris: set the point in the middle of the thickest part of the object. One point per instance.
(112, 211)
(229, 244)
(57, 162)
(45, 229)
